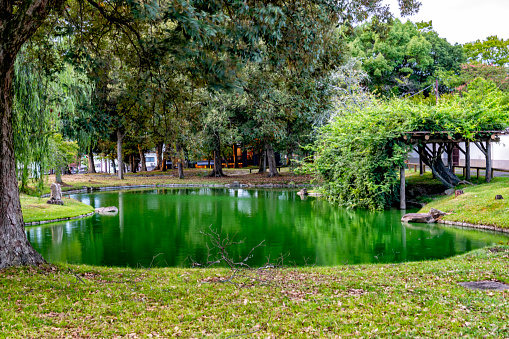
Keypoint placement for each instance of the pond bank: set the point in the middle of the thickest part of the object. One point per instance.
(415, 299)
(36, 211)
(477, 207)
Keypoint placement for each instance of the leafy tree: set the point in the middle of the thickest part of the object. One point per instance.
(62, 153)
(18, 22)
(493, 50)
(471, 71)
(403, 58)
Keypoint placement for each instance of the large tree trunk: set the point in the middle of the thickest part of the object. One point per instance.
(263, 162)
(142, 160)
(164, 165)
(133, 163)
(217, 171)
(14, 246)
(16, 27)
(120, 173)
(271, 159)
(91, 165)
(159, 156)
(58, 175)
(434, 160)
(235, 156)
(180, 164)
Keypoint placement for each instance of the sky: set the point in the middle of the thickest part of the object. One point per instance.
(461, 21)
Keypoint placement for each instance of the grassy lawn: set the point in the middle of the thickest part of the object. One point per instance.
(36, 209)
(421, 299)
(477, 205)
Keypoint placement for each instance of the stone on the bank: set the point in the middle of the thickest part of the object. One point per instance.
(110, 210)
(303, 192)
(436, 213)
(430, 217)
(56, 192)
(56, 195)
(418, 217)
(449, 191)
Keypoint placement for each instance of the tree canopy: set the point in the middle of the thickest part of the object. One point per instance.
(493, 50)
(403, 58)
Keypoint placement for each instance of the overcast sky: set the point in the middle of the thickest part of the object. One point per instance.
(461, 21)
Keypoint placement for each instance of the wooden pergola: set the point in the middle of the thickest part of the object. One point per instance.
(431, 145)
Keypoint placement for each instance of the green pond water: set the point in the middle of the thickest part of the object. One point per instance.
(168, 223)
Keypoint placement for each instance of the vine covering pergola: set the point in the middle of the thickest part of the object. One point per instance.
(360, 155)
(430, 146)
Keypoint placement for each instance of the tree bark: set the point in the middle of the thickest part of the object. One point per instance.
(58, 175)
(133, 163)
(440, 171)
(159, 156)
(271, 159)
(142, 160)
(120, 173)
(16, 27)
(180, 164)
(235, 156)
(263, 162)
(91, 165)
(164, 165)
(217, 171)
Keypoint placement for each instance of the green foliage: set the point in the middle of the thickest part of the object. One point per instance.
(60, 151)
(470, 71)
(493, 50)
(43, 95)
(359, 154)
(401, 57)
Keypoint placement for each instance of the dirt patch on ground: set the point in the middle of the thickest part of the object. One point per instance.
(485, 285)
(498, 249)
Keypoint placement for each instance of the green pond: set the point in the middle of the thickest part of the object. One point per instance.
(169, 224)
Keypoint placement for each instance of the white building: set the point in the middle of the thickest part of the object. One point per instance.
(499, 155)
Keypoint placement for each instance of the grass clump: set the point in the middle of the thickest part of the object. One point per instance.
(421, 299)
(477, 205)
(36, 209)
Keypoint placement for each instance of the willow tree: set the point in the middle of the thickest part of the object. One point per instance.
(19, 20)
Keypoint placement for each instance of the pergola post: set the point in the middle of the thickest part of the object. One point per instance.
(449, 156)
(402, 201)
(421, 166)
(488, 160)
(434, 152)
(467, 160)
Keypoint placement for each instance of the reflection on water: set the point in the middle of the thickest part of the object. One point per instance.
(169, 221)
